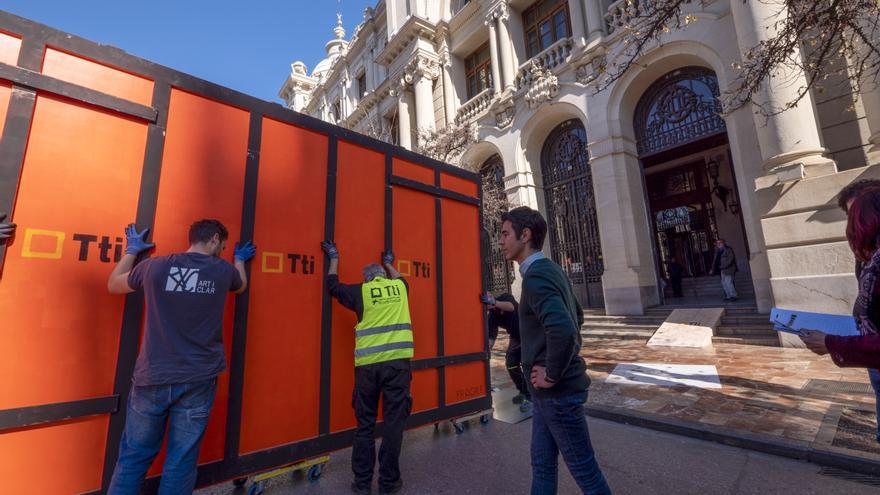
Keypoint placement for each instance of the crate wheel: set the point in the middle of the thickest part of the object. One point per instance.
(459, 428)
(239, 482)
(256, 489)
(315, 472)
(484, 419)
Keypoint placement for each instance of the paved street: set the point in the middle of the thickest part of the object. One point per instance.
(494, 459)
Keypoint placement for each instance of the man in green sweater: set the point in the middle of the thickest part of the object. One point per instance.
(550, 318)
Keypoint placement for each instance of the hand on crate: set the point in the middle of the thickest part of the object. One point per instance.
(387, 257)
(487, 299)
(6, 228)
(136, 241)
(244, 252)
(329, 248)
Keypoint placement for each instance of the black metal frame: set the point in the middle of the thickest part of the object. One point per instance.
(566, 174)
(27, 82)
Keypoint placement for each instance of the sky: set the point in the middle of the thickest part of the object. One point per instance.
(245, 45)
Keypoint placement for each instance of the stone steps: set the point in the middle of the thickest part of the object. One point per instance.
(764, 341)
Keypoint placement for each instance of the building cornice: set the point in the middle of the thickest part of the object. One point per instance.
(414, 28)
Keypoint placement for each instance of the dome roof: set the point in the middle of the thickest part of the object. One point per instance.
(334, 48)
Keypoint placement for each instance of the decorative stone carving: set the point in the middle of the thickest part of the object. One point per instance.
(498, 12)
(504, 117)
(590, 71)
(543, 85)
(422, 67)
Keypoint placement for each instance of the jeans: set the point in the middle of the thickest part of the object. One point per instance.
(392, 383)
(184, 408)
(727, 284)
(875, 382)
(559, 425)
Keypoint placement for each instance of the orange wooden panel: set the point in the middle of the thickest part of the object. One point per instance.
(462, 311)
(79, 188)
(283, 363)
(415, 247)
(5, 94)
(465, 382)
(360, 236)
(410, 170)
(62, 458)
(425, 390)
(112, 81)
(203, 170)
(459, 185)
(9, 47)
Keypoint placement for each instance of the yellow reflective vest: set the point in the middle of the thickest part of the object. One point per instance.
(385, 330)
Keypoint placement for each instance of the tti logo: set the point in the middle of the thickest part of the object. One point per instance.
(412, 268)
(49, 245)
(273, 262)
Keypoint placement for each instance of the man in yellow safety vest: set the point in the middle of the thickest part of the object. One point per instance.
(382, 352)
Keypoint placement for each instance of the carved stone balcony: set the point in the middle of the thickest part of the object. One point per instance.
(553, 56)
(475, 107)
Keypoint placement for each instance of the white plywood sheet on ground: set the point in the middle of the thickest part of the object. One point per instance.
(664, 374)
(690, 327)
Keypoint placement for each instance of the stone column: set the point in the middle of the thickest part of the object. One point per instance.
(493, 52)
(403, 128)
(595, 18)
(870, 95)
(789, 141)
(448, 93)
(422, 72)
(424, 103)
(508, 71)
(576, 7)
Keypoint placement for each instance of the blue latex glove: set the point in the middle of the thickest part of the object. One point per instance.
(244, 252)
(387, 257)
(329, 248)
(487, 299)
(135, 242)
(6, 228)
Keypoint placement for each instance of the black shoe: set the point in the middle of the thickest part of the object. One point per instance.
(360, 489)
(518, 398)
(394, 488)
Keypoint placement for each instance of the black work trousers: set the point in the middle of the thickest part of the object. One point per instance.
(513, 361)
(391, 381)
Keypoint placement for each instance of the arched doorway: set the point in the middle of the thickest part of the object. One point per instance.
(689, 180)
(501, 274)
(573, 230)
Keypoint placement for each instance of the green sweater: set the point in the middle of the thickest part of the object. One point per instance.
(550, 320)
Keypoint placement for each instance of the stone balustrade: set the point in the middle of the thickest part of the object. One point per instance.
(552, 57)
(622, 12)
(475, 106)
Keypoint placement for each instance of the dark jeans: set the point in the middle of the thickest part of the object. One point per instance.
(875, 382)
(513, 361)
(676, 286)
(559, 425)
(392, 383)
(184, 408)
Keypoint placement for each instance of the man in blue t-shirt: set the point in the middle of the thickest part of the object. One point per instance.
(181, 354)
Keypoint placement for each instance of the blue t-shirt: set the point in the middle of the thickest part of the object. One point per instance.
(183, 337)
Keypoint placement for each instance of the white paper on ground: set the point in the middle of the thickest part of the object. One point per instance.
(664, 374)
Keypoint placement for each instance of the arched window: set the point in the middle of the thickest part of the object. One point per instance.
(494, 203)
(679, 108)
(573, 229)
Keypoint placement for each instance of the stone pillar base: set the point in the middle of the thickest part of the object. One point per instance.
(797, 165)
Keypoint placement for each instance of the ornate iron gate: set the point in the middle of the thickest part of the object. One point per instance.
(494, 202)
(571, 211)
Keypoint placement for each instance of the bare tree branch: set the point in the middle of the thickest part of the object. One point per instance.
(828, 41)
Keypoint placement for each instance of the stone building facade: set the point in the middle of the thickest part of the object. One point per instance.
(647, 170)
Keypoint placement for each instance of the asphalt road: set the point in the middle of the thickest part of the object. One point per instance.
(494, 459)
